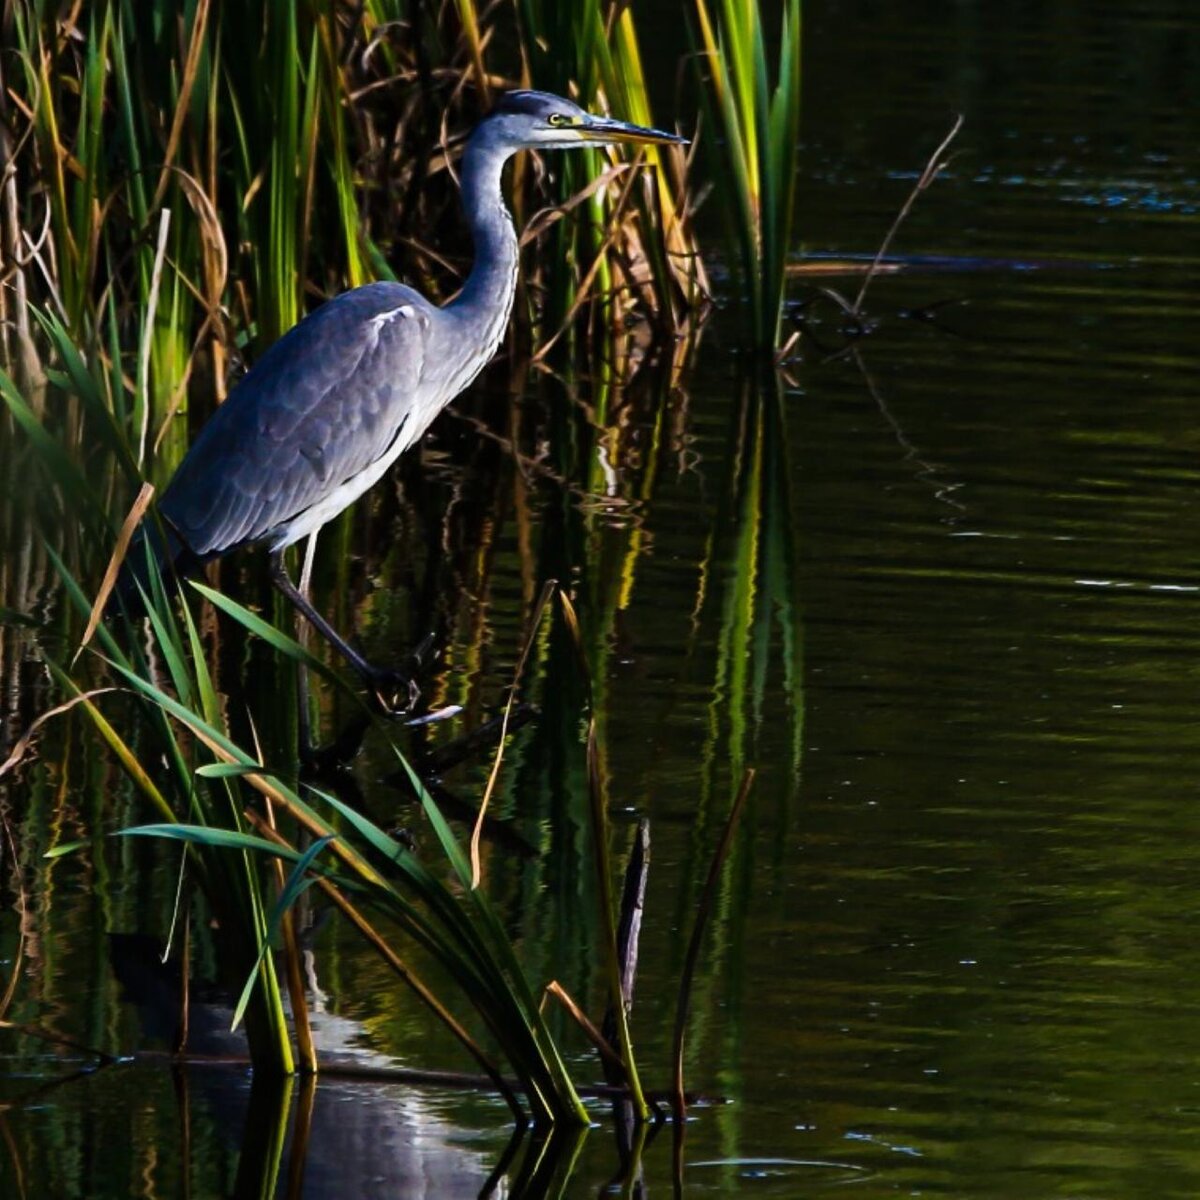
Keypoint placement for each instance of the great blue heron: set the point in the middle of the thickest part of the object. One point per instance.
(331, 405)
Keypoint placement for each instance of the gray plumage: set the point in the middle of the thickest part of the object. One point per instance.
(331, 405)
(330, 398)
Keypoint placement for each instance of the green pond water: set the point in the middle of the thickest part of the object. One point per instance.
(940, 592)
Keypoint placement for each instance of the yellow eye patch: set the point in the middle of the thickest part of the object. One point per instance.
(558, 119)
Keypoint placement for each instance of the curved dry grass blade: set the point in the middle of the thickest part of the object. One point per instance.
(693, 950)
(127, 758)
(25, 740)
(612, 1059)
(132, 520)
(188, 82)
(544, 218)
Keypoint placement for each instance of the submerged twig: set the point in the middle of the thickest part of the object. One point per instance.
(57, 1039)
(414, 1075)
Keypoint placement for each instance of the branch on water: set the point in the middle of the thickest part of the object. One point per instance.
(933, 168)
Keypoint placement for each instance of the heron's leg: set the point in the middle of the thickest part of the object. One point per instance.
(322, 762)
(371, 675)
(308, 747)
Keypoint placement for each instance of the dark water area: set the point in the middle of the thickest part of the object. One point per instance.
(939, 586)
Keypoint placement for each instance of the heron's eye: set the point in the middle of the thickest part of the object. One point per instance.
(558, 119)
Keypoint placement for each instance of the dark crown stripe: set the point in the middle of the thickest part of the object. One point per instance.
(527, 103)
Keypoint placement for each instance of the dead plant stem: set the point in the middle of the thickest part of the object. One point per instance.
(933, 168)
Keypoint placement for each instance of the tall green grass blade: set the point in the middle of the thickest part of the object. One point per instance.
(294, 887)
(560, 1084)
(489, 959)
(203, 835)
(223, 770)
(757, 124)
(272, 635)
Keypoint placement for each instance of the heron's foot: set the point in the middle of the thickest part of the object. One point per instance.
(395, 692)
(395, 688)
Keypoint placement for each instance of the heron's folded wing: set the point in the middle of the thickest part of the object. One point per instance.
(325, 402)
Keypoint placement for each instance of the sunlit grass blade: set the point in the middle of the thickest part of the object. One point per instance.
(753, 106)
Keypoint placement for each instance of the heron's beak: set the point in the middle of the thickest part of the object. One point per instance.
(605, 129)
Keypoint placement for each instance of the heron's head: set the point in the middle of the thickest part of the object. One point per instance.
(541, 121)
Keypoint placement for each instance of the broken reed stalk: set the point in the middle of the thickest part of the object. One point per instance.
(933, 168)
(693, 951)
(629, 927)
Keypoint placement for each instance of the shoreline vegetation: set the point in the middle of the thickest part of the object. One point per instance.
(178, 189)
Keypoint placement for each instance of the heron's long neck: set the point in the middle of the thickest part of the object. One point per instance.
(484, 305)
